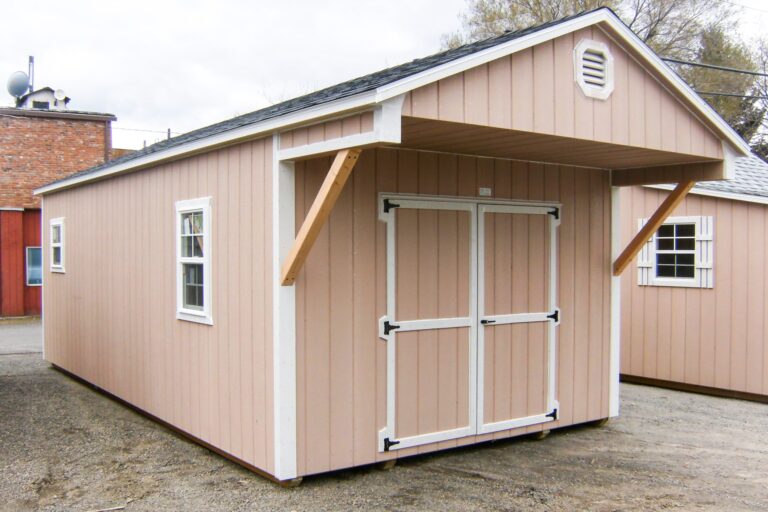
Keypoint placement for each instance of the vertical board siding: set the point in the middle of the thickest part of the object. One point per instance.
(352, 125)
(345, 279)
(18, 230)
(534, 90)
(111, 319)
(707, 337)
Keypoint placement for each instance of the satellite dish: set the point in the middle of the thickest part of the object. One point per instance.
(18, 84)
(59, 95)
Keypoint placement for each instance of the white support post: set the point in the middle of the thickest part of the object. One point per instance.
(284, 318)
(615, 353)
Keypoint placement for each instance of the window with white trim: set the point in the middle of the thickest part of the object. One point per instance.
(679, 254)
(193, 260)
(57, 245)
(34, 265)
(593, 69)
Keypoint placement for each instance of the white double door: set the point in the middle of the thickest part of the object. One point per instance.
(471, 317)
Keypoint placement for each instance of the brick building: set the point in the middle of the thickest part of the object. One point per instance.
(38, 146)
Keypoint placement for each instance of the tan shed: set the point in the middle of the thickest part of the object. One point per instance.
(414, 260)
(695, 302)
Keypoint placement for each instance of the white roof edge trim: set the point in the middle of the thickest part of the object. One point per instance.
(428, 76)
(735, 196)
(267, 126)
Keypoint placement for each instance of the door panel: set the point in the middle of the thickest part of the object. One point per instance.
(516, 302)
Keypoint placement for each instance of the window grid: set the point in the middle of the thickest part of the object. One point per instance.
(193, 260)
(57, 245)
(676, 251)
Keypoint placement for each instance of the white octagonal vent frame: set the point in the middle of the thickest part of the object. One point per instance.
(600, 85)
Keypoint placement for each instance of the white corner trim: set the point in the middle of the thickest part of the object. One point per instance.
(589, 90)
(615, 341)
(386, 129)
(729, 161)
(734, 196)
(283, 318)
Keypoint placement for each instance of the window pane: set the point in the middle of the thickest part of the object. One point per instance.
(686, 229)
(685, 271)
(665, 244)
(197, 243)
(665, 259)
(193, 286)
(665, 271)
(667, 230)
(56, 234)
(186, 246)
(56, 256)
(685, 244)
(685, 259)
(197, 222)
(34, 266)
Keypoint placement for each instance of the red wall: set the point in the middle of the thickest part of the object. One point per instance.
(18, 230)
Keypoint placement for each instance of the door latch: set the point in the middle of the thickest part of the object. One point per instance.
(485, 321)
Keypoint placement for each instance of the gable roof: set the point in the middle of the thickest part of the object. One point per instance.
(376, 87)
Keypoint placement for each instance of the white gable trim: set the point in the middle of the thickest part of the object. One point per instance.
(377, 96)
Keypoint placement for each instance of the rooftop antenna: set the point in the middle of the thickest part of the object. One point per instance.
(31, 73)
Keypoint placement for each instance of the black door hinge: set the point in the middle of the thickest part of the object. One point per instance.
(388, 444)
(486, 322)
(555, 316)
(555, 213)
(388, 205)
(553, 414)
(388, 327)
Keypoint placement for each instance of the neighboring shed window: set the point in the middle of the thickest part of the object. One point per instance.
(193, 254)
(593, 69)
(34, 266)
(678, 254)
(57, 245)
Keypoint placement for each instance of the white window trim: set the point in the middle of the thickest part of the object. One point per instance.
(204, 316)
(26, 265)
(699, 280)
(59, 221)
(589, 90)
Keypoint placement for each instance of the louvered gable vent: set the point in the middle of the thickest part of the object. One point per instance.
(593, 67)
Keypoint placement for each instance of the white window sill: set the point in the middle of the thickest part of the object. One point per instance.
(200, 318)
(58, 270)
(34, 285)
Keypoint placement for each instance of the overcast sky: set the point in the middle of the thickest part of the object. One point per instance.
(185, 64)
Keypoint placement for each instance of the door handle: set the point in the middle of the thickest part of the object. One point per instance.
(485, 321)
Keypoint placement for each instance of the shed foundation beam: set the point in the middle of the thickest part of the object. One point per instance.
(706, 171)
(318, 214)
(654, 223)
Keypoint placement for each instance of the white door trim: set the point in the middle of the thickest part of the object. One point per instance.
(389, 325)
(387, 436)
(552, 316)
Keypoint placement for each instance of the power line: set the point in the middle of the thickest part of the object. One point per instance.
(729, 95)
(142, 130)
(735, 4)
(713, 66)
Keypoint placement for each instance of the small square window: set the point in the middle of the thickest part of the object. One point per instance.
(679, 254)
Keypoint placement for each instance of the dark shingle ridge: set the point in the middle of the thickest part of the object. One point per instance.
(336, 92)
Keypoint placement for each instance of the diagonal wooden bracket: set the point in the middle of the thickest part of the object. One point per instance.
(654, 223)
(318, 213)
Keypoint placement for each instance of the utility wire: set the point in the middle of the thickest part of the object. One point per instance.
(713, 66)
(142, 130)
(729, 95)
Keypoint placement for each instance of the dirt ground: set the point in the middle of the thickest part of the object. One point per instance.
(65, 447)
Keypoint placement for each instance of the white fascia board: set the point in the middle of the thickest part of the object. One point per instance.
(244, 132)
(735, 196)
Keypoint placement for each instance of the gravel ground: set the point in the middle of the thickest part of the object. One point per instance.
(66, 447)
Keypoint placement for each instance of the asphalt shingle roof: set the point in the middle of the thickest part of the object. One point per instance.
(751, 179)
(343, 90)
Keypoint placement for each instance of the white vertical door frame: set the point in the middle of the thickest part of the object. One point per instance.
(389, 431)
(553, 213)
(615, 344)
(283, 317)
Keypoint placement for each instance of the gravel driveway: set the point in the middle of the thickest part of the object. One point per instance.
(66, 447)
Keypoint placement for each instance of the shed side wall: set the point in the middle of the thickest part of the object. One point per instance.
(340, 294)
(534, 90)
(111, 318)
(708, 337)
